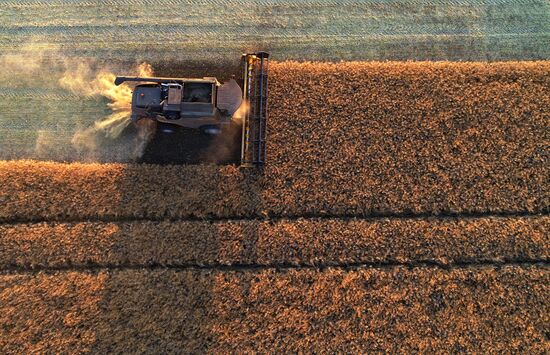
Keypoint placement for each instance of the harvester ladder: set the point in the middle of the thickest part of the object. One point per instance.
(255, 120)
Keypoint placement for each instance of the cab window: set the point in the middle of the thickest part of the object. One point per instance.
(197, 92)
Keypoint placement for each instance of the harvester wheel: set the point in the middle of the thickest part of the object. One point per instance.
(212, 130)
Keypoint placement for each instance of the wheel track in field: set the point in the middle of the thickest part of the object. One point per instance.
(237, 218)
(383, 264)
(390, 264)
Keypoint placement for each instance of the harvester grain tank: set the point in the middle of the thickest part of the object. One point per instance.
(209, 106)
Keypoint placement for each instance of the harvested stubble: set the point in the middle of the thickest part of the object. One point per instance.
(334, 310)
(344, 139)
(285, 242)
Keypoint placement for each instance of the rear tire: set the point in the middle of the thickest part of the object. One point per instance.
(166, 128)
(213, 130)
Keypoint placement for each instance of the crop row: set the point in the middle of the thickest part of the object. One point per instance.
(299, 242)
(336, 310)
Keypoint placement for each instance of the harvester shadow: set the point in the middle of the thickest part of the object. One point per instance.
(178, 285)
(186, 146)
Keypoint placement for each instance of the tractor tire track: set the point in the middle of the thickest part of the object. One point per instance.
(543, 264)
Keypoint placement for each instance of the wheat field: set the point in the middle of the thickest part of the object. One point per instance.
(404, 206)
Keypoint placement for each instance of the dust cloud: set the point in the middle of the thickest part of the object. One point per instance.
(226, 147)
(239, 115)
(80, 79)
(52, 88)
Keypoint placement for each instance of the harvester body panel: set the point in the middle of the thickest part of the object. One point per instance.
(189, 103)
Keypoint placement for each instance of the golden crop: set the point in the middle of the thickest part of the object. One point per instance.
(338, 246)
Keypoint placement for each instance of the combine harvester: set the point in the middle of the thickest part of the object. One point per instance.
(207, 105)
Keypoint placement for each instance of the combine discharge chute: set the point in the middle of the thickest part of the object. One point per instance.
(208, 106)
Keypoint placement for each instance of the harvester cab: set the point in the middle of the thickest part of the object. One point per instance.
(208, 106)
